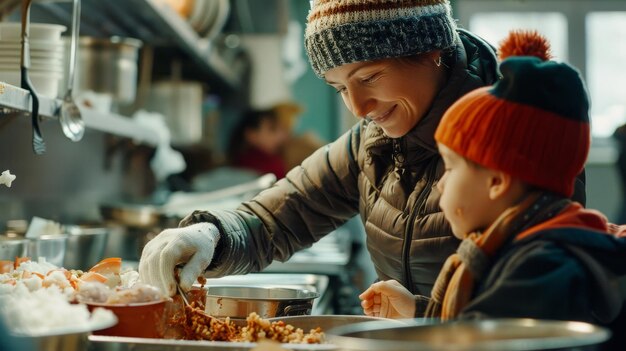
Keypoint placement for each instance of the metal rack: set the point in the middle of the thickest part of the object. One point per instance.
(152, 22)
(16, 99)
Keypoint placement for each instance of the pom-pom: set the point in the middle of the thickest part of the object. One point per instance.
(525, 43)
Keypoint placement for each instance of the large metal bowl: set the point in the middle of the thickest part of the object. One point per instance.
(85, 246)
(240, 301)
(12, 247)
(494, 334)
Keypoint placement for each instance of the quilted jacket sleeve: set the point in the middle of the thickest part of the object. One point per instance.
(310, 202)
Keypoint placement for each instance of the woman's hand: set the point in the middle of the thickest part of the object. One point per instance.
(388, 299)
(192, 246)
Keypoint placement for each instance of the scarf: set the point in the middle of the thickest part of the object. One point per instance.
(454, 286)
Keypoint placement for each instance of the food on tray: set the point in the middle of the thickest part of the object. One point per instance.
(35, 299)
(197, 325)
(97, 292)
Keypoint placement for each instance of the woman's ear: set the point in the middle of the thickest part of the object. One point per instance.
(499, 184)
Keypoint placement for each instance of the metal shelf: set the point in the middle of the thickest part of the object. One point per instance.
(152, 22)
(17, 99)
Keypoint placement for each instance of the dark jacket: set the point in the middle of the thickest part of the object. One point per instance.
(391, 183)
(558, 272)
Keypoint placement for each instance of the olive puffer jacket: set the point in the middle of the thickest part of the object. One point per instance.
(391, 183)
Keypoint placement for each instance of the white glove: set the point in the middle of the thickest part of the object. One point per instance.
(388, 299)
(193, 245)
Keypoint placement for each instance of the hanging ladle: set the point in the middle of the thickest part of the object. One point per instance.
(71, 121)
(39, 147)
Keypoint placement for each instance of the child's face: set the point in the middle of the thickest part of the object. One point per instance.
(464, 188)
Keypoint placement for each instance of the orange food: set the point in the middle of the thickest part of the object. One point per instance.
(19, 260)
(93, 277)
(6, 266)
(108, 266)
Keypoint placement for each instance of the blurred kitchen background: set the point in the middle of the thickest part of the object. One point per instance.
(194, 68)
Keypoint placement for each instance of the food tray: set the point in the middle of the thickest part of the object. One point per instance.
(114, 343)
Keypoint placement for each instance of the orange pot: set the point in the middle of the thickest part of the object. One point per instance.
(141, 320)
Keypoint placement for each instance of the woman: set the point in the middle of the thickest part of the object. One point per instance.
(398, 65)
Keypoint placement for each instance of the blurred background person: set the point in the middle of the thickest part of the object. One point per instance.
(256, 143)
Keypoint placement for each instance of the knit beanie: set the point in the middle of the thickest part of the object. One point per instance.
(339, 32)
(532, 124)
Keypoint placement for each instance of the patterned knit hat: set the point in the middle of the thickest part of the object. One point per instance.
(339, 32)
(532, 124)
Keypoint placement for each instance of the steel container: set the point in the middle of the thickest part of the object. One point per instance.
(10, 247)
(475, 335)
(85, 246)
(239, 301)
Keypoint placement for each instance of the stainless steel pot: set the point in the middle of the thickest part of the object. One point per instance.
(85, 246)
(11, 247)
(495, 334)
(108, 66)
(50, 247)
(240, 301)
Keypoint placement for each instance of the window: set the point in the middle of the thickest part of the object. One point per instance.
(588, 34)
(494, 27)
(606, 71)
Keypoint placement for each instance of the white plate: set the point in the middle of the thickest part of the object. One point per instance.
(209, 13)
(197, 12)
(34, 45)
(36, 31)
(58, 54)
(218, 22)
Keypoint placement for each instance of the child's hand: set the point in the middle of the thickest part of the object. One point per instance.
(388, 299)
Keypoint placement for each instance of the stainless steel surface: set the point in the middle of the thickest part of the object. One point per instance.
(67, 342)
(128, 242)
(240, 301)
(108, 66)
(50, 247)
(16, 99)
(111, 343)
(500, 335)
(138, 216)
(313, 282)
(326, 323)
(72, 123)
(12, 247)
(85, 246)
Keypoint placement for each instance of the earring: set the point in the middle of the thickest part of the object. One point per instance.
(438, 61)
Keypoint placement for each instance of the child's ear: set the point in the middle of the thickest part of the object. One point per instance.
(499, 184)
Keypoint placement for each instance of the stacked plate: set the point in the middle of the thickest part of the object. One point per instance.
(46, 54)
(208, 17)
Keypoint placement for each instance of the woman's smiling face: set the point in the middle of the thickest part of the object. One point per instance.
(393, 93)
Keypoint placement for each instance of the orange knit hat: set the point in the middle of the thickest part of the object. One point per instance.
(532, 124)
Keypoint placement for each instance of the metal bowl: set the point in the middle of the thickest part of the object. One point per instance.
(12, 247)
(50, 247)
(493, 334)
(267, 302)
(85, 246)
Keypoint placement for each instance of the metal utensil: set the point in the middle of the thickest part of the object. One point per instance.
(71, 121)
(39, 146)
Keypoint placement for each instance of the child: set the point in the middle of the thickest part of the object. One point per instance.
(511, 154)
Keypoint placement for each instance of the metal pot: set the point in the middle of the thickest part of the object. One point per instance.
(108, 66)
(240, 301)
(494, 334)
(85, 246)
(12, 247)
(50, 247)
